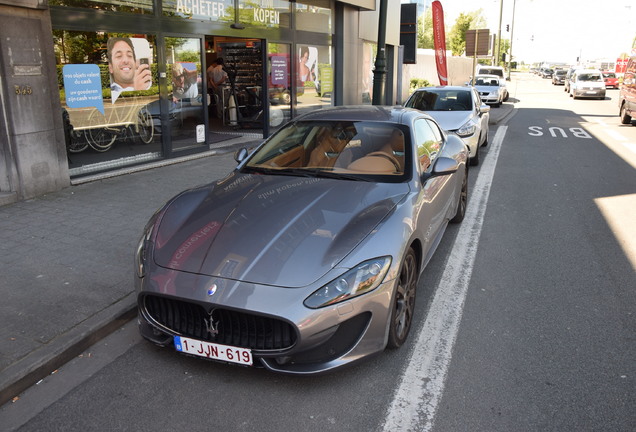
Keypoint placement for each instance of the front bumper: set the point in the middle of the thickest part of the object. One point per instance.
(283, 334)
(588, 92)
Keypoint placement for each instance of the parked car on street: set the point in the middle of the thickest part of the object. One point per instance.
(627, 94)
(307, 256)
(458, 110)
(587, 83)
(558, 78)
(489, 89)
(611, 80)
(501, 73)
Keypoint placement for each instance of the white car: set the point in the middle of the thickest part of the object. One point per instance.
(489, 89)
(457, 109)
(501, 73)
(587, 83)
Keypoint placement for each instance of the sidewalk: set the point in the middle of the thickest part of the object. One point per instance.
(66, 261)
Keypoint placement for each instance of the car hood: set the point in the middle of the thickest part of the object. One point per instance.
(451, 120)
(487, 89)
(273, 230)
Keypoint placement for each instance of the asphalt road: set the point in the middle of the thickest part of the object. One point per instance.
(525, 316)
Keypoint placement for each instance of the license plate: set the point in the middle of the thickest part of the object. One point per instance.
(213, 351)
(591, 92)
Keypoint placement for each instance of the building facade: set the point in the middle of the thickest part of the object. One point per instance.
(91, 86)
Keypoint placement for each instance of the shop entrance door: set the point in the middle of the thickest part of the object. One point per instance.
(238, 105)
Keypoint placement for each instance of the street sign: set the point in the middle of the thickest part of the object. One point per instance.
(477, 40)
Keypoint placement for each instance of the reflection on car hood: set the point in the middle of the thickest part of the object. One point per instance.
(274, 230)
(451, 120)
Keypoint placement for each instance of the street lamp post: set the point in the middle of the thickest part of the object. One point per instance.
(512, 33)
(379, 72)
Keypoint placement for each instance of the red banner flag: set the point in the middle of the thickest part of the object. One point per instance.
(439, 37)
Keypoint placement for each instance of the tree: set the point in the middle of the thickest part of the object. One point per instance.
(425, 30)
(465, 21)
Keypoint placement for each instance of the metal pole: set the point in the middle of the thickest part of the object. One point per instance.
(512, 32)
(379, 73)
(499, 34)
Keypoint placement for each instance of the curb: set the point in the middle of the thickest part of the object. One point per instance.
(40, 363)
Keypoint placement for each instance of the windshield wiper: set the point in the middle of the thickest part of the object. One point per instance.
(303, 172)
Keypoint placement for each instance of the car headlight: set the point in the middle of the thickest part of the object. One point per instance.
(467, 129)
(361, 279)
(141, 253)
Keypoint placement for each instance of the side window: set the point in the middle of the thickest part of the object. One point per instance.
(428, 140)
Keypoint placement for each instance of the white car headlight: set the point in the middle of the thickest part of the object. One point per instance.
(467, 129)
(359, 280)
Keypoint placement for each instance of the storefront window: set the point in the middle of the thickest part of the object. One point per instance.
(132, 6)
(280, 88)
(315, 75)
(314, 16)
(186, 98)
(368, 59)
(108, 86)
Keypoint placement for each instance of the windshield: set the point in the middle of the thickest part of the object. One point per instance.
(335, 149)
(590, 77)
(486, 81)
(609, 75)
(560, 73)
(441, 100)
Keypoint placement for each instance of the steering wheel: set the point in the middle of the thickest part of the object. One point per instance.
(390, 158)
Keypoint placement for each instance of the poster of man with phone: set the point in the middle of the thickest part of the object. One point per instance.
(128, 64)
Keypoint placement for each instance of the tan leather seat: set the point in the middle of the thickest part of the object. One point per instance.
(374, 163)
(327, 150)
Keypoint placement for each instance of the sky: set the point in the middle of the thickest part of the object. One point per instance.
(557, 30)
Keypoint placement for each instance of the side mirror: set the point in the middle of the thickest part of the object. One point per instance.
(240, 155)
(484, 108)
(445, 165)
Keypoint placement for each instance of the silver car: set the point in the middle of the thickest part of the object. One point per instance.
(306, 257)
(489, 90)
(457, 109)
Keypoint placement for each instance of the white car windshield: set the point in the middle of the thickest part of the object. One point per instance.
(590, 77)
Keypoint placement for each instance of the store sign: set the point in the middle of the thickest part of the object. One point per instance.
(202, 9)
(279, 70)
(266, 16)
(83, 86)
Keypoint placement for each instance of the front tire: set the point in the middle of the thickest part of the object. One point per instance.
(625, 118)
(474, 161)
(403, 301)
(463, 201)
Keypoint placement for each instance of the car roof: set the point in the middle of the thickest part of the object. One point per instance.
(489, 76)
(379, 113)
(467, 88)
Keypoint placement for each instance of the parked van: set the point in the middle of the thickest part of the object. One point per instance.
(627, 95)
(500, 72)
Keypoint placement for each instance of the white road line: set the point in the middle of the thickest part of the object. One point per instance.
(415, 401)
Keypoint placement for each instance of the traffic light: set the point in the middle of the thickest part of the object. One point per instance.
(507, 27)
(503, 57)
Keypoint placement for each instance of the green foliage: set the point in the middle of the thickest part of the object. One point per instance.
(418, 83)
(456, 39)
(425, 30)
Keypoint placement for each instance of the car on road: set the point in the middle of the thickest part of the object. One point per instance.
(558, 78)
(627, 94)
(306, 257)
(611, 80)
(587, 83)
(489, 89)
(547, 72)
(501, 73)
(457, 109)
